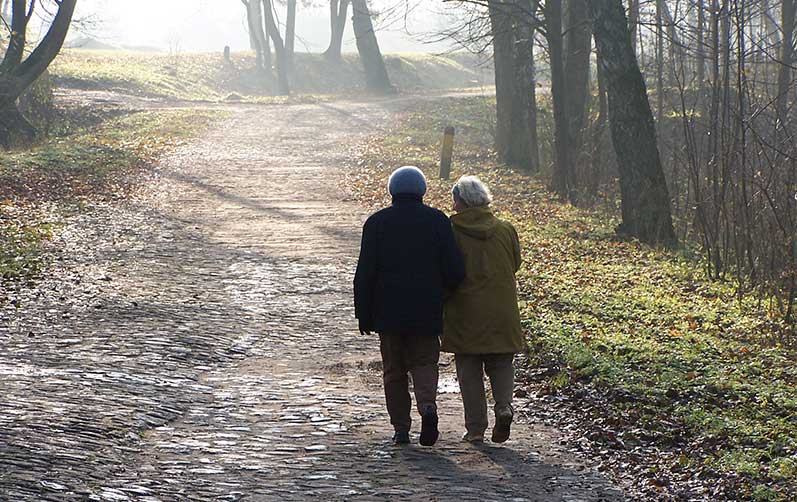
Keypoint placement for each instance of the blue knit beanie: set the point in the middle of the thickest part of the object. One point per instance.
(407, 180)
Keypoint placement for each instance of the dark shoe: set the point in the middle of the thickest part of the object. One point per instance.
(503, 424)
(429, 432)
(401, 438)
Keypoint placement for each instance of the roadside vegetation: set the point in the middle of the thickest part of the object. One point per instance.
(678, 386)
(84, 162)
(208, 77)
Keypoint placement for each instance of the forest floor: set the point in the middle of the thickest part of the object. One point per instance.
(192, 338)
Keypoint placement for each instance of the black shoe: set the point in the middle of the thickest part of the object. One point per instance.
(503, 424)
(429, 432)
(401, 438)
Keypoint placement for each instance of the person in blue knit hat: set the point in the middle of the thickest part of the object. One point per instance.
(408, 262)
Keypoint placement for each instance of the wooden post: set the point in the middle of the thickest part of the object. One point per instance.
(446, 153)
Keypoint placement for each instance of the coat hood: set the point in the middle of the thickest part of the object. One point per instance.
(477, 222)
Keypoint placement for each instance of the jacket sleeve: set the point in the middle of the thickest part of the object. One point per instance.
(453, 266)
(365, 277)
(516, 248)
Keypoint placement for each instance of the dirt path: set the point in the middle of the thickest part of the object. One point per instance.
(199, 344)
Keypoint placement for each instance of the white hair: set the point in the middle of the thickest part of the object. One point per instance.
(472, 192)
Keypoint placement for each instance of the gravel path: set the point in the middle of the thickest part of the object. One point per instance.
(199, 344)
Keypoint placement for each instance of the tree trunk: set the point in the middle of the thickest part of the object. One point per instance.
(337, 20)
(290, 34)
(511, 30)
(562, 170)
(701, 43)
(17, 74)
(659, 62)
(786, 58)
(578, 43)
(596, 171)
(376, 78)
(283, 87)
(254, 17)
(531, 85)
(643, 188)
(15, 130)
(633, 21)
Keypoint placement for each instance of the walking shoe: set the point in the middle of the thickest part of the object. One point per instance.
(429, 432)
(472, 437)
(503, 423)
(402, 437)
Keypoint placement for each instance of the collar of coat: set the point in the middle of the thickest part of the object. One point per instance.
(407, 197)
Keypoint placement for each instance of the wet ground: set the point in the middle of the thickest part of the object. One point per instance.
(198, 343)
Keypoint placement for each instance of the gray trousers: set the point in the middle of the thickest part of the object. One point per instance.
(470, 373)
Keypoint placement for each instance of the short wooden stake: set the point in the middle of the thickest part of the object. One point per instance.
(446, 153)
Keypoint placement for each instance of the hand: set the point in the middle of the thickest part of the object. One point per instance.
(365, 330)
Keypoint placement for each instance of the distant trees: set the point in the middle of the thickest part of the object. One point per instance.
(264, 31)
(18, 71)
(338, 11)
(282, 48)
(260, 42)
(376, 77)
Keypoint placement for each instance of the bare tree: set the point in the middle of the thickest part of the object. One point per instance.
(562, 178)
(578, 47)
(257, 36)
(786, 58)
(283, 85)
(376, 78)
(338, 10)
(18, 72)
(645, 198)
(510, 31)
(290, 35)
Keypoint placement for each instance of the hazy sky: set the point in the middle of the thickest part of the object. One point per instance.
(209, 25)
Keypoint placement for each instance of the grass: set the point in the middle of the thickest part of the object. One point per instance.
(98, 163)
(207, 77)
(643, 342)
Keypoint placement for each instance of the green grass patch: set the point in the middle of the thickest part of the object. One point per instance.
(676, 357)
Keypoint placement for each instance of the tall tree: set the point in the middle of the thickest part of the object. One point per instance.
(633, 21)
(510, 29)
(527, 78)
(283, 85)
(17, 72)
(786, 57)
(562, 169)
(376, 78)
(643, 188)
(701, 42)
(337, 22)
(290, 34)
(257, 37)
(578, 47)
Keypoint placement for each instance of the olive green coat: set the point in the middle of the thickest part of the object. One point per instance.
(481, 316)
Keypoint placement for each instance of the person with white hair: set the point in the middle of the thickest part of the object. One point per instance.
(408, 261)
(481, 323)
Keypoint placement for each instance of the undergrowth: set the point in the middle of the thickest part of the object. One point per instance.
(650, 351)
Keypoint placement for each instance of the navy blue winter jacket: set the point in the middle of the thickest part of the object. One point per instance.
(408, 260)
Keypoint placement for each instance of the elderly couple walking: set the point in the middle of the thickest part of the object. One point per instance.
(423, 277)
